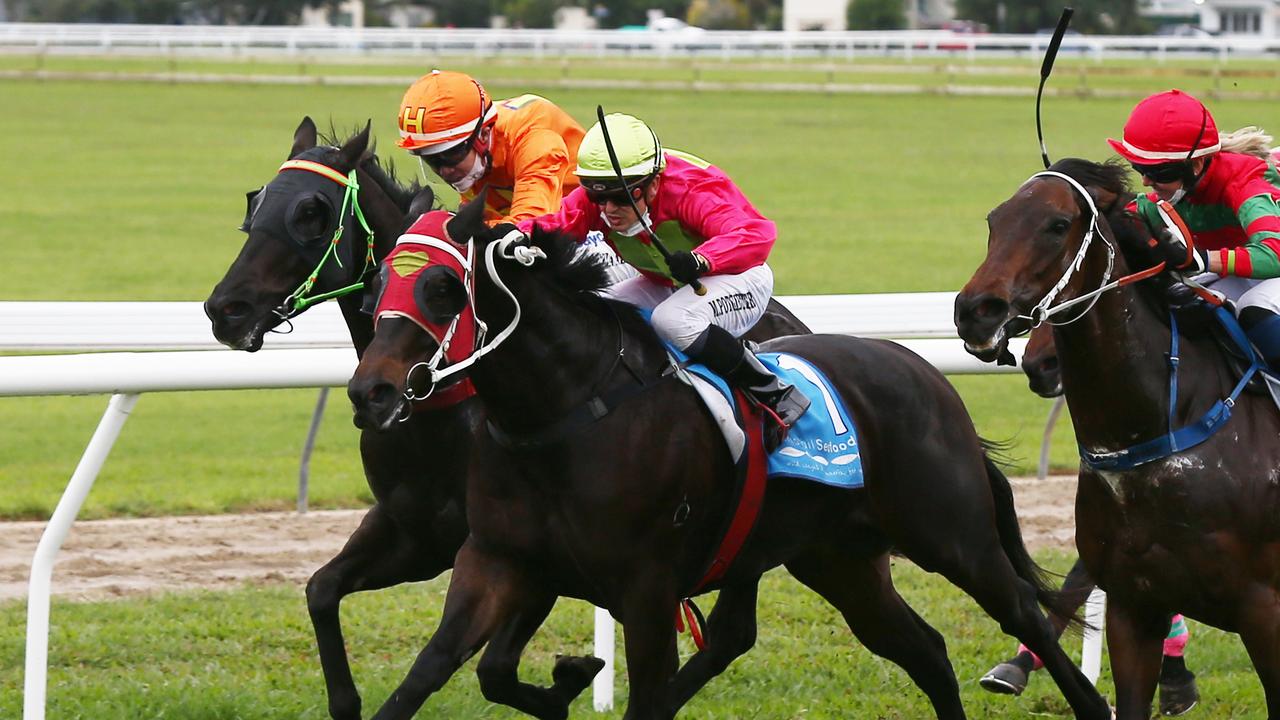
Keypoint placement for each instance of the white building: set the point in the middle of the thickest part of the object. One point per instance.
(799, 15)
(1223, 17)
(349, 13)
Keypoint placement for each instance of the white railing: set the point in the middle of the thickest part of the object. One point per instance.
(319, 355)
(289, 40)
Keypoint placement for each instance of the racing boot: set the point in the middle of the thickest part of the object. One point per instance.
(1263, 328)
(731, 359)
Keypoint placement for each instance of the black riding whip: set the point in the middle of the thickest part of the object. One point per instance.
(617, 168)
(1050, 54)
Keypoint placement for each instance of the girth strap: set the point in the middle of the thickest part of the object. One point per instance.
(750, 497)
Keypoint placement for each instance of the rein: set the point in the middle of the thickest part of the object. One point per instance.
(299, 300)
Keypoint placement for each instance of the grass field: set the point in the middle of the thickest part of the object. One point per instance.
(249, 654)
(131, 191)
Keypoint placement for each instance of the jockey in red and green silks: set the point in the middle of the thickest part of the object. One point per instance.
(1226, 188)
(715, 237)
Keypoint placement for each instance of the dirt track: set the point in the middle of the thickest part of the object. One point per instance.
(114, 558)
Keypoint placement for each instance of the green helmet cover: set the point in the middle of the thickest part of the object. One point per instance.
(637, 147)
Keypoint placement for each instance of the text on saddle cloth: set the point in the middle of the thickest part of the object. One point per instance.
(822, 446)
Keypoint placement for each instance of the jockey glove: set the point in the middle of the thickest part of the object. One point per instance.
(1174, 252)
(687, 266)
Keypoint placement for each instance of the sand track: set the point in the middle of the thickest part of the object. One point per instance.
(115, 558)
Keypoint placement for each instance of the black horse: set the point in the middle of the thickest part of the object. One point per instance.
(1194, 532)
(626, 512)
(416, 471)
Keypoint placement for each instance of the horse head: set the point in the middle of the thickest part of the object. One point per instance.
(1040, 363)
(314, 231)
(437, 285)
(1048, 244)
(422, 310)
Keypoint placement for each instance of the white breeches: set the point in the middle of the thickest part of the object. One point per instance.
(734, 302)
(1246, 292)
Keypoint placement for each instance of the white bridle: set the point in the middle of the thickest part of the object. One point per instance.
(1042, 310)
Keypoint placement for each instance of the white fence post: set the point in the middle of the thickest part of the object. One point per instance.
(35, 679)
(602, 685)
(1095, 617)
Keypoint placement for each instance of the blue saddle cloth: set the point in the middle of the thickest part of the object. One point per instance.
(823, 444)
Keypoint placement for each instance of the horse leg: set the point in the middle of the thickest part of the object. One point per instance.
(979, 549)
(862, 590)
(648, 630)
(1135, 639)
(1260, 632)
(376, 556)
(498, 668)
(731, 632)
(484, 592)
(1011, 676)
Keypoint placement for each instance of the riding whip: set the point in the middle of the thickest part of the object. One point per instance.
(1050, 54)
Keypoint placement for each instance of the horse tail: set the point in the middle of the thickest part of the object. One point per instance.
(1061, 603)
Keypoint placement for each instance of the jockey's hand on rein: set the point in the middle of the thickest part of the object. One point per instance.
(502, 230)
(1174, 252)
(687, 266)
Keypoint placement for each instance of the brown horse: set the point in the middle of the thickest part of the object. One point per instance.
(1178, 690)
(1195, 531)
(623, 510)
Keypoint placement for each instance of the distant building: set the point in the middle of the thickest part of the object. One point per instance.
(573, 18)
(349, 13)
(1221, 17)
(799, 15)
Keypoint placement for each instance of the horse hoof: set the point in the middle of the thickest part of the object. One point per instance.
(572, 674)
(1179, 696)
(1005, 679)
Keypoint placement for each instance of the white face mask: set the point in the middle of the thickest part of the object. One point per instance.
(477, 171)
(636, 227)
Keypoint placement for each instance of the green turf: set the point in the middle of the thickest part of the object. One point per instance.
(132, 191)
(250, 654)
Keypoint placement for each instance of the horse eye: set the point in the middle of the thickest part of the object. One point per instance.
(1059, 226)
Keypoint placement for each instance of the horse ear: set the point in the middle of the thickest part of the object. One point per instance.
(469, 221)
(304, 138)
(1104, 199)
(350, 154)
(422, 203)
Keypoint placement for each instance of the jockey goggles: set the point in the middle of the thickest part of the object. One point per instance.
(448, 158)
(1163, 172)
(602, 192)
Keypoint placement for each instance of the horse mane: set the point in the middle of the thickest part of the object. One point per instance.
(1113, 176)
(384, 174)
(576, 272)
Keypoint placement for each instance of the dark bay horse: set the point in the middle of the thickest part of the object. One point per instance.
(626, 511)
(1196, 532)
(416, 470)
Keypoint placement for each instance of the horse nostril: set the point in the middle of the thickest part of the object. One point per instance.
(380, 394)
(991, 308)
(236, 310)
(1049, 365)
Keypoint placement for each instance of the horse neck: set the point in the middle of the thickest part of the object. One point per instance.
(551, 362)
(386, 219)
(1115, 369)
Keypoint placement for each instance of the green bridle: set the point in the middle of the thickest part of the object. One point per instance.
(299, 299)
